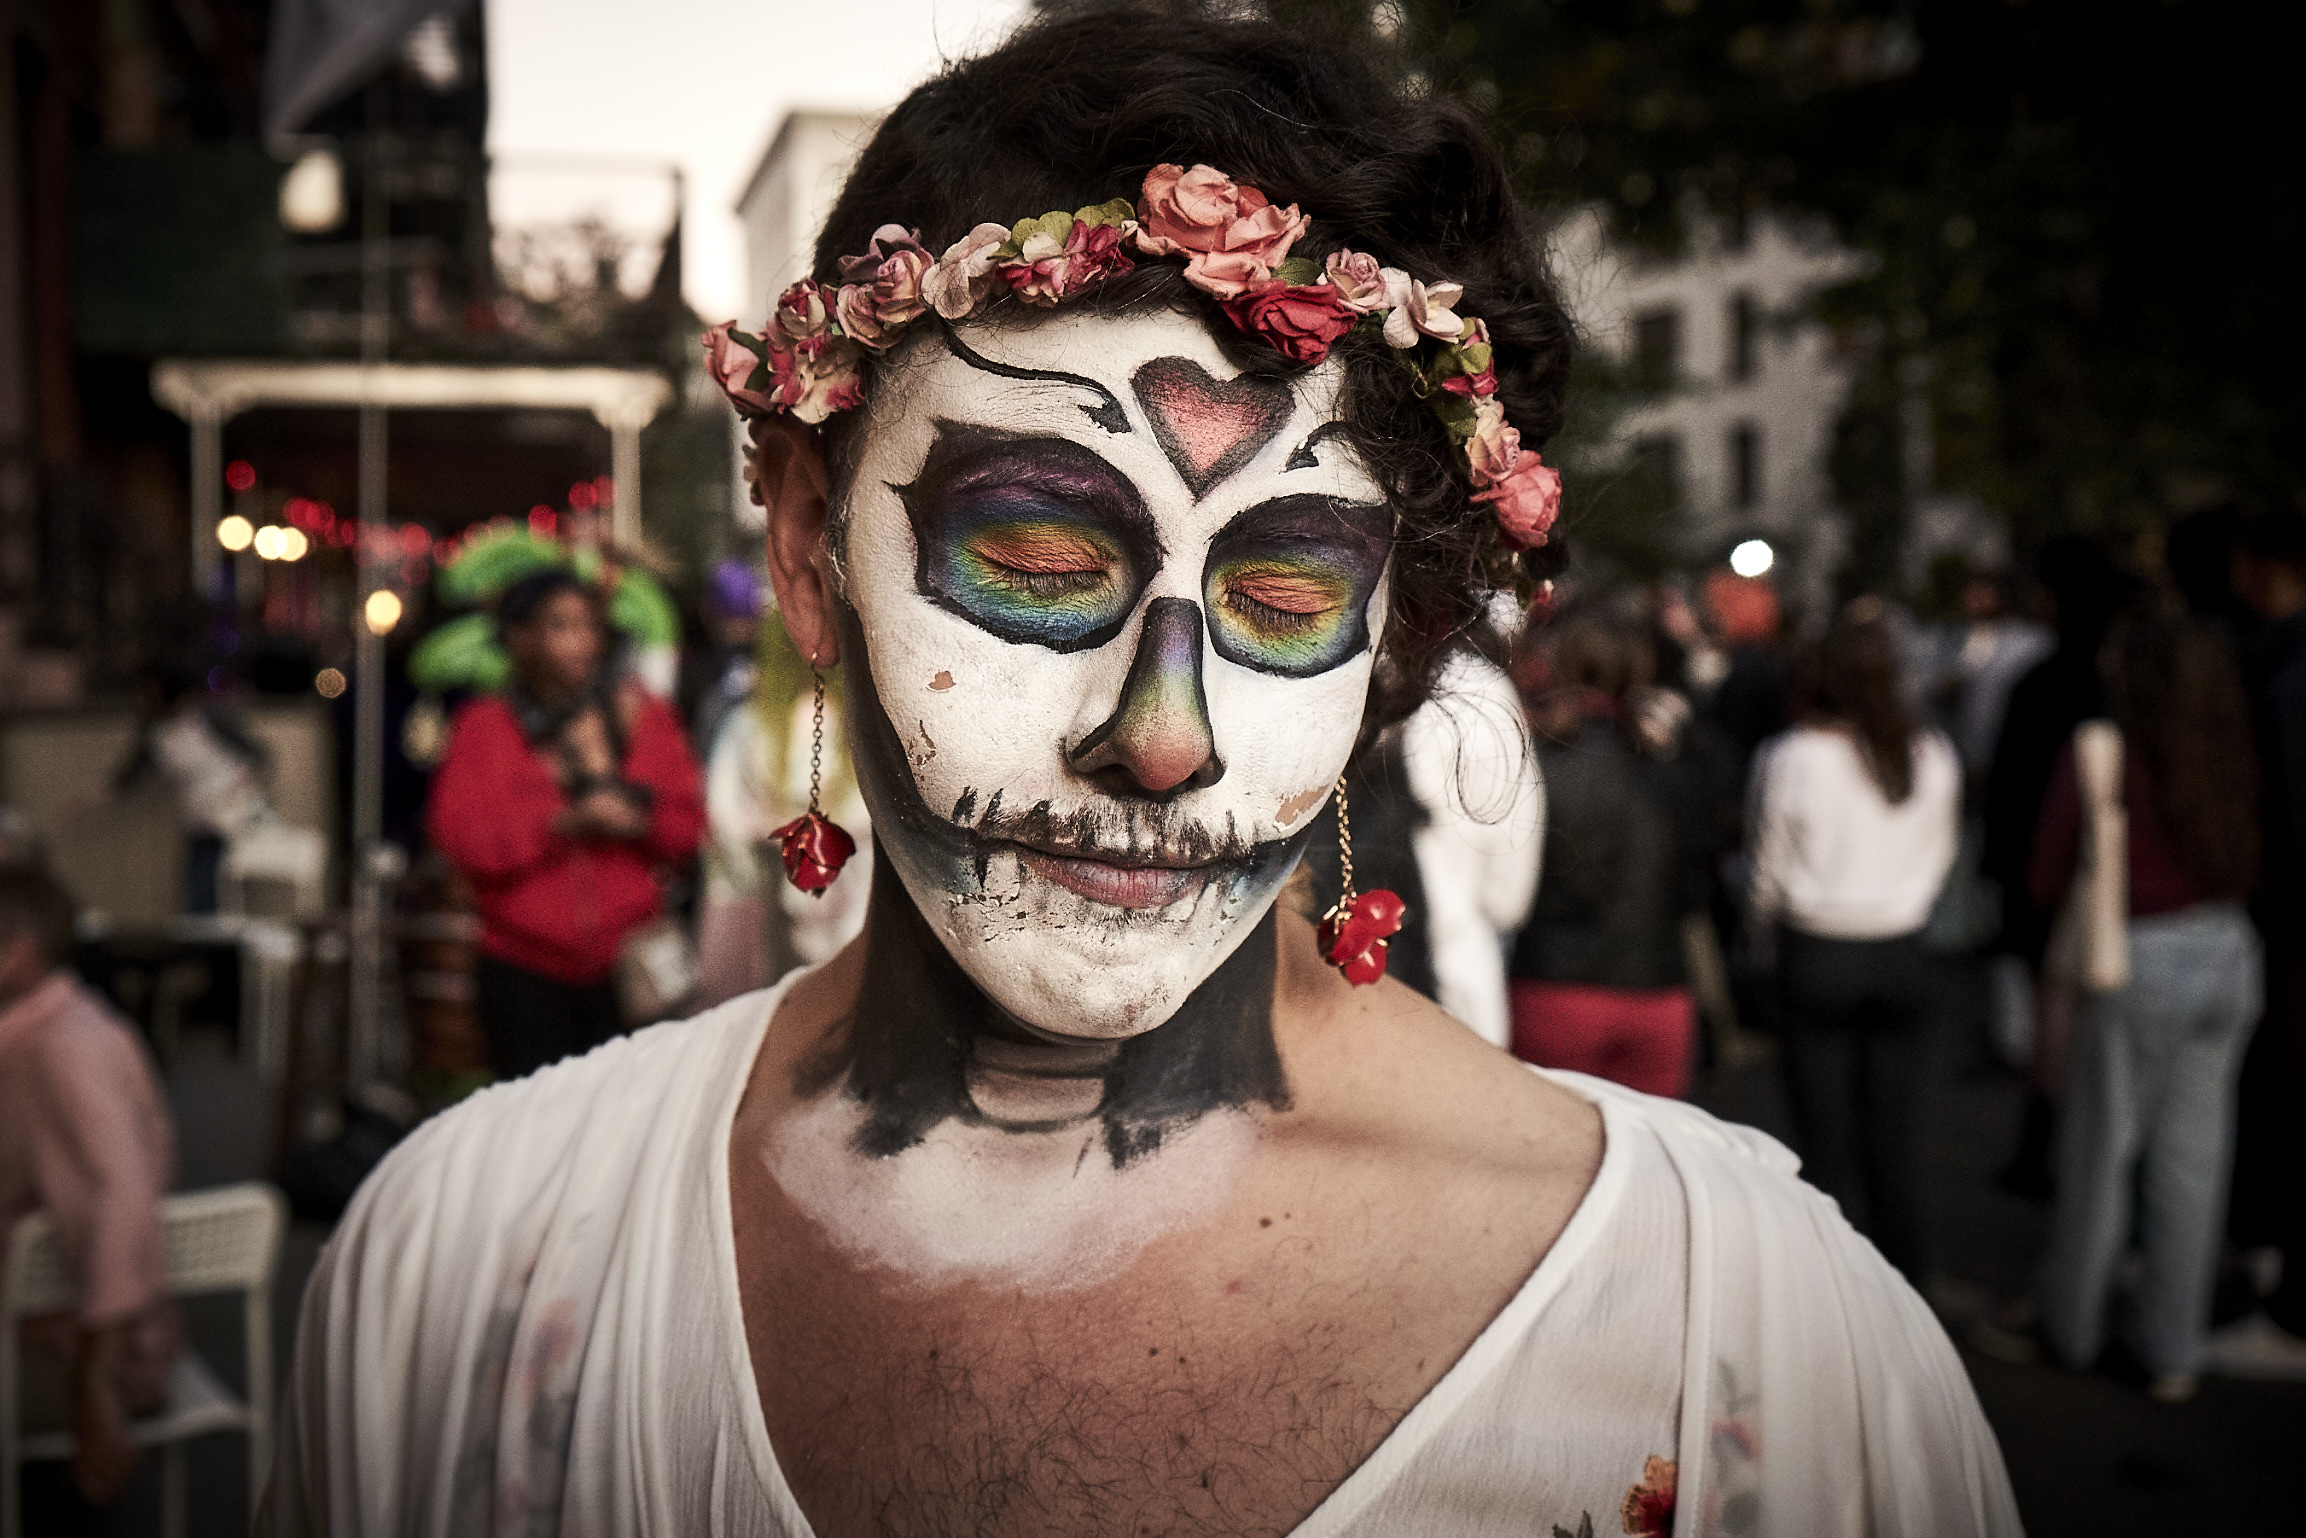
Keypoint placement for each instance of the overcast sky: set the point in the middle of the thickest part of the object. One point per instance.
(703, 83)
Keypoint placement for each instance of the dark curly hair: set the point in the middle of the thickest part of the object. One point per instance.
(1076, 107)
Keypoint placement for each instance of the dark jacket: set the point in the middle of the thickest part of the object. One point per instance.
(1623, 866)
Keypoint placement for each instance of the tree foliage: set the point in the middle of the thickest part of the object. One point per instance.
(2083, 228)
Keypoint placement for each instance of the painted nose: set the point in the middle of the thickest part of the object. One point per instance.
(1157, 741)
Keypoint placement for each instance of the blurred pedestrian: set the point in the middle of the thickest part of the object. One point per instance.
(1853, 832)
(753, 925)
(2149, 844)
(1599, 978)
(1448, 813)
(1750, 703)
(720, 672)
(1467, 759)
(2084, 589)
(215, 768)
(2269, 572)
(84, 1136)
(561, 800)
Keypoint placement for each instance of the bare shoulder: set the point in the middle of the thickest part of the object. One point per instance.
(1386, 1064)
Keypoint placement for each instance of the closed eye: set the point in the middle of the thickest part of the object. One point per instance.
(1294, 596)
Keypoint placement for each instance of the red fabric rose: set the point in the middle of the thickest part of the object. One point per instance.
(815, 848)
(1647, 1510)
(1303, 320)
(1355, 942)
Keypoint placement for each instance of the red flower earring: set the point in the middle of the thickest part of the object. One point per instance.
(1354, 930)
(815, 846)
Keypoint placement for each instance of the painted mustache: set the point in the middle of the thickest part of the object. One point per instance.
(1121, 833)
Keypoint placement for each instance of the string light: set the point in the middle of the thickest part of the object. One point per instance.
(234, 533)
(382, 611)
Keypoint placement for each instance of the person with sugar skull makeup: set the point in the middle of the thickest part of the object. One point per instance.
(1168, 393)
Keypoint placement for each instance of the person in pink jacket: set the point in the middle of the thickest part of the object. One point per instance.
(84, 1136)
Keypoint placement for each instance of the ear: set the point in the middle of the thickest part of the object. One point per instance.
(789, 466)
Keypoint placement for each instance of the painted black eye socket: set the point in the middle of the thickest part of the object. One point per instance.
(1034, 540)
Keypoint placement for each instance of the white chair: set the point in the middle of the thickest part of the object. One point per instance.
(222, 1240)
(272, 870)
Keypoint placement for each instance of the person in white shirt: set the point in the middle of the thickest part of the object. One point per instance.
(1087, 1192)
(1853, 831)
(1478, 852)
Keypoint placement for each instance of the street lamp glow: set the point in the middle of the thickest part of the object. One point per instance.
(234, 533)
(1753, 558)
(312, 193)
(293, 544)
(268, 542)
(382, 611)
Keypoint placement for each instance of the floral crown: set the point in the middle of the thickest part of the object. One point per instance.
(808, 362)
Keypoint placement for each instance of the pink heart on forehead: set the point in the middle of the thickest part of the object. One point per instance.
(1209, 427)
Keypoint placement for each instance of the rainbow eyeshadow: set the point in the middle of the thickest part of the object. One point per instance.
(1037, 577)
(1289, 613)
(1288, 584)
(1035, 540)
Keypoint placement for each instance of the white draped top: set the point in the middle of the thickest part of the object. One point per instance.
(529, 1323)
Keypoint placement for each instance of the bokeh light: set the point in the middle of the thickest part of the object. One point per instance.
(268, 542)
(1752, 558)
(382, 611)
(293, 544)
(329, 682)
(582, 496)
(234, 533)
(240, 475)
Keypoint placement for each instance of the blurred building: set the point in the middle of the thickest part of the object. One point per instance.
(790, 192)
(211, 211)
(1737, 390)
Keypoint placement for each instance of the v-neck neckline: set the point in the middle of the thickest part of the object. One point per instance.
(1351, 1495)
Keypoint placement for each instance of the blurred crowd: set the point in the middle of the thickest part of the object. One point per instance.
(2047, 823)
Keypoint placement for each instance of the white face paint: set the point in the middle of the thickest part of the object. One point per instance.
(1119, 608)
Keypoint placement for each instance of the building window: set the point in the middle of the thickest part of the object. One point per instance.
(1656, 348)
(1657, 468)
(1744, 327)
(1745, 454)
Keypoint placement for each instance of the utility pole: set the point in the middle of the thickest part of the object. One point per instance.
(370, 863)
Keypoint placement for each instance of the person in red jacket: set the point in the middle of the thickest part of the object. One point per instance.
(560, 800)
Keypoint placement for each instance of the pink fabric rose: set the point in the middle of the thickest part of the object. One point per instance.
(1230, 236)
(801, 312)
(892, 273)
(732, 365)
(1424, 307)
(1526, 501)
(1302, 320)
(963, 278)
(853, 306)
(1495, 444)
(1363, 284)
(1047, 272)
(818, 376)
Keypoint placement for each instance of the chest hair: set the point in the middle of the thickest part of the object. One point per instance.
(1027, 1433)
